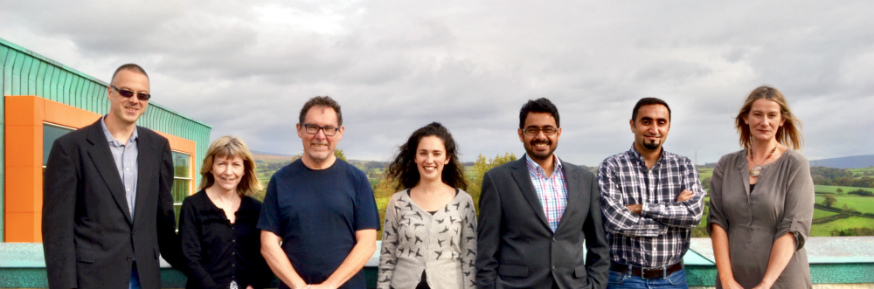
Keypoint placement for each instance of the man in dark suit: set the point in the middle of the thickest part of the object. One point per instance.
(107, 208)
(536, 212)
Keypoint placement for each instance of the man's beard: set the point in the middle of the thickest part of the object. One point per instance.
(533, 154)
(652, 145)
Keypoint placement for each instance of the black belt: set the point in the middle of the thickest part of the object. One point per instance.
(647, 273)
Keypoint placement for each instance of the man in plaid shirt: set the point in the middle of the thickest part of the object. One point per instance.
(651, 200)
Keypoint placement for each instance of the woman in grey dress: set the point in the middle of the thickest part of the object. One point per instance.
(761, 202)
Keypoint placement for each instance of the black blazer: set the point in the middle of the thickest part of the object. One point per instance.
(88, 236)
(517, 249)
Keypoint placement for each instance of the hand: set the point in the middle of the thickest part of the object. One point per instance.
(635, 208)
(763, 285)
(731, 284)
(685, 195)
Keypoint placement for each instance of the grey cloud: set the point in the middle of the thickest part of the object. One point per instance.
(397, 65)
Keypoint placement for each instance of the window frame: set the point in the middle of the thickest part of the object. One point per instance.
(177, 205)
(44, 123)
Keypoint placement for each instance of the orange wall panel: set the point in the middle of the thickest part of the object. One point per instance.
(24, 194)
(180, 144)
(24, 120)
(23, 146)
(21, 227)
(28, 110)
(62, 114)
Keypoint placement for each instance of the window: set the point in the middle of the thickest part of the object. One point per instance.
(181, 180)
(50, 133)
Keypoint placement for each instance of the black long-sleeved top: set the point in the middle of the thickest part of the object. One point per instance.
(218, 251)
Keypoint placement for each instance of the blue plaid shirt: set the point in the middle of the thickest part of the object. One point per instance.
(659, 236)
(552, 190)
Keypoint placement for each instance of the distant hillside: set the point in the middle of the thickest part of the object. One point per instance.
(254, 152)
(270, 162)
(261, 157)
(852, 162)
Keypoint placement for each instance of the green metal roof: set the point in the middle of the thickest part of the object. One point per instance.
(24, 72)
(68, 69)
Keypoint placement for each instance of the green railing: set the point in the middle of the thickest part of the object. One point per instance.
(833, 260)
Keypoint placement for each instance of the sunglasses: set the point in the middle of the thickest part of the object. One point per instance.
(130, 93)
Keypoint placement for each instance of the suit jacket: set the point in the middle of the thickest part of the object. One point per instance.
(516, 247)
(89, 238)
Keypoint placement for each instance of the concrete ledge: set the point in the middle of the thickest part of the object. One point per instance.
(835, 262)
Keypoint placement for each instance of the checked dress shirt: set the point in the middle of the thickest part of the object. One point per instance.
(659, 236)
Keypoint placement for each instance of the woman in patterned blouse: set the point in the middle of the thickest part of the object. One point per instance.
(429, 237)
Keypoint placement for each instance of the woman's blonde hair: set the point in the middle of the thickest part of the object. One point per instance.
(788, 134)
(230, 147)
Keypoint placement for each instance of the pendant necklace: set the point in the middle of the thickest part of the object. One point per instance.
(757, 168)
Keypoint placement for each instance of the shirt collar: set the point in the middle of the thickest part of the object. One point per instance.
(110, 138)
(538, 168)
(636, 155)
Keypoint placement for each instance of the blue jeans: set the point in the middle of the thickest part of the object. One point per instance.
(134, 278)
(626, 281)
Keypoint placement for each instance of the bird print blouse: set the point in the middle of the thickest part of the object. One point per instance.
(443, 245)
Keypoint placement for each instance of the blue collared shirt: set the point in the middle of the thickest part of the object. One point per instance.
(552, 190)
(125, 156)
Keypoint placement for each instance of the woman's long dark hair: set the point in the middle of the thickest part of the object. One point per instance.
(404, 171)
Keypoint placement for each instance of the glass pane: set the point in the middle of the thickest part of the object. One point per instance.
(49, 134)
(180, 190)
(180, 165)
(178, 209)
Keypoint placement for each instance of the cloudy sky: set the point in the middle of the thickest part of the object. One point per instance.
(246, 67)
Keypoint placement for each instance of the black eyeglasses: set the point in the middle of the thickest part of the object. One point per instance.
(314, 129)
(533, 130)
(130, 93)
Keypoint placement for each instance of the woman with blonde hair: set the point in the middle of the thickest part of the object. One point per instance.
(761, 200)
(217, 224)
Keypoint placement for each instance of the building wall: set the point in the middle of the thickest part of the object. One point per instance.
(25, 73)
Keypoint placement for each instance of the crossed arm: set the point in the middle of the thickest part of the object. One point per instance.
(652, 219)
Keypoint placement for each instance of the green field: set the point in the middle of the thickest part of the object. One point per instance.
(817, 213)
(823, 230)
(862, 172)
(833, 189)
(704, 173)
(861, 204)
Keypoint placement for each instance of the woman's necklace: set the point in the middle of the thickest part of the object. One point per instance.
(757, 168)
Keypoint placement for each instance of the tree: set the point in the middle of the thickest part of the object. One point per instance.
(839, 191)
(480, 167)
(339, 154)
(829, 200)
(705, 183)
(848, 210)
(383, 189)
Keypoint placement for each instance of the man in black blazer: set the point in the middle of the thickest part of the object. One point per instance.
(536, 212)
(107, 208)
